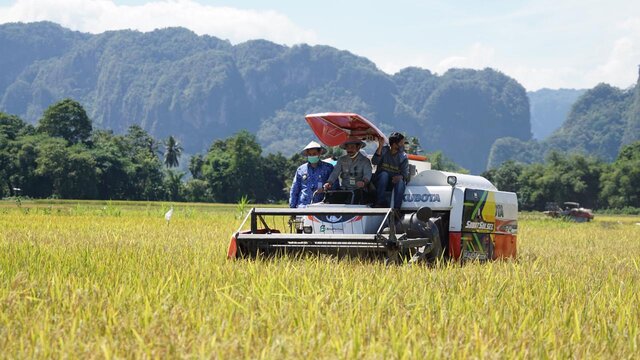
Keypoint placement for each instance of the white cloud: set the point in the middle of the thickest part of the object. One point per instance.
(478, 56)
(96, 16)
(392, 64)
(621, 67)
(618, 68)
(535, 78)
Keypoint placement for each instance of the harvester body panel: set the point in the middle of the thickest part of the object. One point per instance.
(488, 225)
(337, 223)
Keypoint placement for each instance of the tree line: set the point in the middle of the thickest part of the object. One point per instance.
(562, 177)
(63, 156)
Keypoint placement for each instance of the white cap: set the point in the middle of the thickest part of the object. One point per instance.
(313, 145)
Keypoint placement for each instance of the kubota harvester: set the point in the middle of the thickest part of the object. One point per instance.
(443, 214)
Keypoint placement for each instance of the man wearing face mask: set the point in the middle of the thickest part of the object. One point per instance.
(309, 177)
(354, 170)
(392, 170)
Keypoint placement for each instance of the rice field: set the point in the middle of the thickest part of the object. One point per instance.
(114, 280)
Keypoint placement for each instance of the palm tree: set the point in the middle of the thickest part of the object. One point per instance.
(172, 152)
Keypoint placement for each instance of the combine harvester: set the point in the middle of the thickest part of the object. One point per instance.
(443, 215)
(572, 211)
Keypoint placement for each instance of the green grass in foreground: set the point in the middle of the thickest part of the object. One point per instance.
(112, 280)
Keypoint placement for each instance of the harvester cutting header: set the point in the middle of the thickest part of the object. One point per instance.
(404, 210)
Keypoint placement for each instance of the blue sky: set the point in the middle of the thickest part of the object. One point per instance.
(552, 44)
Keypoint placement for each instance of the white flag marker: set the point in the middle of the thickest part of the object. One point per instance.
(167, 216)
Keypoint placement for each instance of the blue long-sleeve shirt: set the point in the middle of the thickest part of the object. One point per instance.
(306, 181)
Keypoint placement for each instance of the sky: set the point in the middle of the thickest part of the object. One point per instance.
(542, 44)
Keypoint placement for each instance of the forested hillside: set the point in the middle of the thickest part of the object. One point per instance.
(601, 122)
(201, 88)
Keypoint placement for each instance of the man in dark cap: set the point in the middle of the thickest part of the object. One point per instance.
(309, 177)
(353, 169)
(392, 170)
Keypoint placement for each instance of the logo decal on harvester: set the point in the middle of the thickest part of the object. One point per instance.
(421, 197)
(334, 219)
(480, 225)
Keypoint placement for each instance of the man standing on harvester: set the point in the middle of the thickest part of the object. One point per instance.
(310, 177)
(392, 170)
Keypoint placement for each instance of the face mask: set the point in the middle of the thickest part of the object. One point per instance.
(313, 159)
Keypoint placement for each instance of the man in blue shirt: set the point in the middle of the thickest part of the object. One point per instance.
(392, 170)
(310, 177)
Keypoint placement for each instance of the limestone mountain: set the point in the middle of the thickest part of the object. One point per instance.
(601, 122)
(201, 88)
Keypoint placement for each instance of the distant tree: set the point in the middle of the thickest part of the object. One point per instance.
(145, 171)
(140, 140)
(71, 170)
(196, 190)
(276, 173)
(621, 184)
(506, 177)
(173, 185)
(531, 192)
(146, 178)
(172, 152)
(113, 165)
(12, 126)
(18, 169)
(12, 129)
(573, 177)
(195, 166)
(441, 162)
(233, 168)
(630, 152)
(6, 162)
(68, 120)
